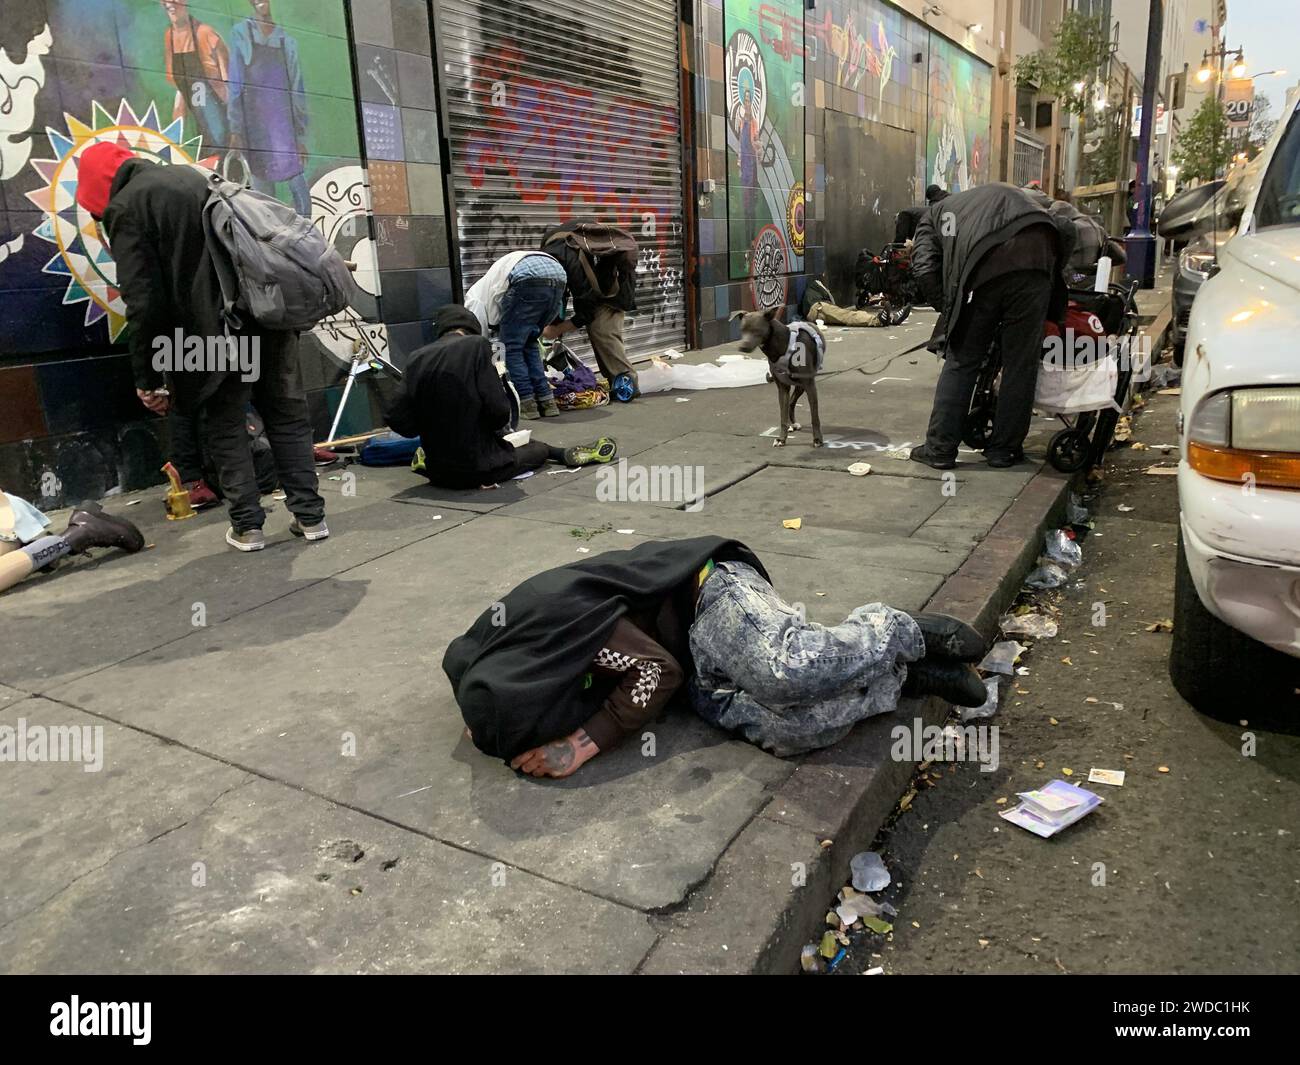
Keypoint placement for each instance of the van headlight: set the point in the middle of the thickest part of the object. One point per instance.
(1195, 262)
(1247, 433)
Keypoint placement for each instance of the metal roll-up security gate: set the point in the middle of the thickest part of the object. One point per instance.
(566, 108)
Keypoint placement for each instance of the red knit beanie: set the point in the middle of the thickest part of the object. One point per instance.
(97, 167)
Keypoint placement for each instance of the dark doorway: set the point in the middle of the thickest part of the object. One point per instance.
(870, 177)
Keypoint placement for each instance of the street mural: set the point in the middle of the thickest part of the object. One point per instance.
(246, 93)
(957, 140)
(765, 71)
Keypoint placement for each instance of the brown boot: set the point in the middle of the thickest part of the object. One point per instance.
(89, 526)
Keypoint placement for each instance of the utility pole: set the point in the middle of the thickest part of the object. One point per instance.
(1140, 242)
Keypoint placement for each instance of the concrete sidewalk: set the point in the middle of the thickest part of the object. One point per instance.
(286, 788)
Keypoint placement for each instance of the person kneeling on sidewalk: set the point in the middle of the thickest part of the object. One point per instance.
(576, 659)
(452, 397)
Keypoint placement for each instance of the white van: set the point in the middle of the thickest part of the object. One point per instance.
(1236, 637)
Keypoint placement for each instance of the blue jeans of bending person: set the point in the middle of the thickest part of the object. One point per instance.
(787, 684)
(528, 307)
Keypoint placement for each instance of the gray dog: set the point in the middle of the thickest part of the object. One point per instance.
(795, 354)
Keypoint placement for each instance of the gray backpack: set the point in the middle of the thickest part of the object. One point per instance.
(273, 264)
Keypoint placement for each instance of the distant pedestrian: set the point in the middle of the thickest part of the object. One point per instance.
(603, 293)
(520, 295)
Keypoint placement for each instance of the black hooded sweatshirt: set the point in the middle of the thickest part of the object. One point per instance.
(154, 223)
(521, 673)
(453, 399)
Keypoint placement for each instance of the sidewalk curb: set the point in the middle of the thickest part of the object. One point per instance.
(772, 885)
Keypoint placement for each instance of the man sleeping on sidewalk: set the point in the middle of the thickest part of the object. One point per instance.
(575, 659)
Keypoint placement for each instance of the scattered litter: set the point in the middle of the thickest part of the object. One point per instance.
(1062, 549)
(1162, 769)
(876, 971)
(625, 532)
(1124, 508)
(1163, 625)
(793, 523)
(869, 872)
(1137, 445)
(672, 353)
(1169, 391)
(1113, 777)
(584, 550)
(1124, 430)
(810, 960)
(336, 477)
(563, 469)
(1161, 471)
(1047, 575)
(877, 925)
(835, 961)
(1002, 657)
(1075, 512)
(990, 705)
(132, 502)
(1045, 811)
(860, 469)
(437, 517)
(1035, 626)
(835, 340)
(1165, 375)
(1068, 771)
(830, 946)
(856, 908)
(682, 399)
(522, 476)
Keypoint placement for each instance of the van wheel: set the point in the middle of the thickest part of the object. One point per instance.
(1212, 665)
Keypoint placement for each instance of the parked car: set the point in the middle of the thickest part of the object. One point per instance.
(1236, 639)
(1199, 222)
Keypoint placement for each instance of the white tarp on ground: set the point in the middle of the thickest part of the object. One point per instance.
(730, 371)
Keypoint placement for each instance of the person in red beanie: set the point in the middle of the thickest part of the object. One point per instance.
(152, 215)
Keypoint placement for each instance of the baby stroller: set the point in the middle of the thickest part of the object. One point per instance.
(887, 274)
(1073, 395)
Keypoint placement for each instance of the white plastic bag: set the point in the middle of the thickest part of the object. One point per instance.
(1069, 391)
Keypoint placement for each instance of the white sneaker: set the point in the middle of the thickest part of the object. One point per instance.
(319, 531)
(250, 540)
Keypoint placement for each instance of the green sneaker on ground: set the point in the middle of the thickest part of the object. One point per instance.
(603, 450)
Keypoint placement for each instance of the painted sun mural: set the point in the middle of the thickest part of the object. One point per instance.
(82, 254)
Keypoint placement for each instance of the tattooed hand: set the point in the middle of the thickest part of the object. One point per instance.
(559, 758)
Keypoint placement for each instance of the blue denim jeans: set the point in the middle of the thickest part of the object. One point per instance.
(528, 307)
(787, 684)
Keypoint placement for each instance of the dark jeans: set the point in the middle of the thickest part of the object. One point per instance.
(279, 398)
(186, 451)
(527, 308)
(1010, 311)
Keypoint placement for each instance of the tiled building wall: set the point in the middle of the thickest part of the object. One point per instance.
(71, 426)
(860, 58)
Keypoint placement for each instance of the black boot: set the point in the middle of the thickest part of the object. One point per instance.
(954, 682)
(89, 526)
(949, 637)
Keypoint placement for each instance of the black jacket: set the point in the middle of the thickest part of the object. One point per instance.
(954, 235)
(453, 399)
(519, 672)
(154, 223)
(585, 298)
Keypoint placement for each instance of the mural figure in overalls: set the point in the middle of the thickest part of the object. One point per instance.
(198, 64)
(268, 105)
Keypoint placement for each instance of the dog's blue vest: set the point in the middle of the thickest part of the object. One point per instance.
(796, 353)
